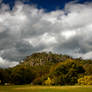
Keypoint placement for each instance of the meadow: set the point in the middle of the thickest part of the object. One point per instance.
(28, 88)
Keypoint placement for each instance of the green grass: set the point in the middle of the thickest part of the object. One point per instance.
(28, 88)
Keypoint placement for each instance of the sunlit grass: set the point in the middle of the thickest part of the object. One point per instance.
(28, 88)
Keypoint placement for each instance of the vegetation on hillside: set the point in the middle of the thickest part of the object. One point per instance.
(47, 69)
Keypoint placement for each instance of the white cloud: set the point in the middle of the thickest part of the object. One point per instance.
(26, 30)
(68, 34)
(5, 63)
(88, 55)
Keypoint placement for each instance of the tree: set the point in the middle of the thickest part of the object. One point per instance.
(22, 75)
(1, 76)
(49, 81)
(88, 69)
(67, 72)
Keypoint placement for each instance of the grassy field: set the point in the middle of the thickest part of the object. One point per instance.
(28, 88)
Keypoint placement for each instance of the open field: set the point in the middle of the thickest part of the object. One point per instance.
(28, 88)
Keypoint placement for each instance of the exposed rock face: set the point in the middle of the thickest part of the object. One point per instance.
(38, 59)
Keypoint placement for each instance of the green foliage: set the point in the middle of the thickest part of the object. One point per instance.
(47, 68)
(86, 80)
(1, 76)
(40, 80)
(4, 76)
(67, 72)
(22, 75)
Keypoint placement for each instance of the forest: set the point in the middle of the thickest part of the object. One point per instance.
(48, 69)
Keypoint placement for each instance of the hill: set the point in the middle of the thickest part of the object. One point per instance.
(38, 59)
(47, 69)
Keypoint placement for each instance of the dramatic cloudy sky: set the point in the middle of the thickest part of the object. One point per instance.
(60, 26)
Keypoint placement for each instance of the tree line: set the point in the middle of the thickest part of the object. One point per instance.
(48, 69)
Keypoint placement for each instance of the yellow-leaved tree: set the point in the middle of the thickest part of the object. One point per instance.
(49, 81)
(86, 80)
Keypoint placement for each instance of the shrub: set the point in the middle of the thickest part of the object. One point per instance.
(49, 81)
(86, 80)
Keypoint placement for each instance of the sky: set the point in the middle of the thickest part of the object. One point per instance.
(29, 26)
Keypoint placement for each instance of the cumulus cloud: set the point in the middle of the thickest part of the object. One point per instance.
(26, 30)
(4, 63)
